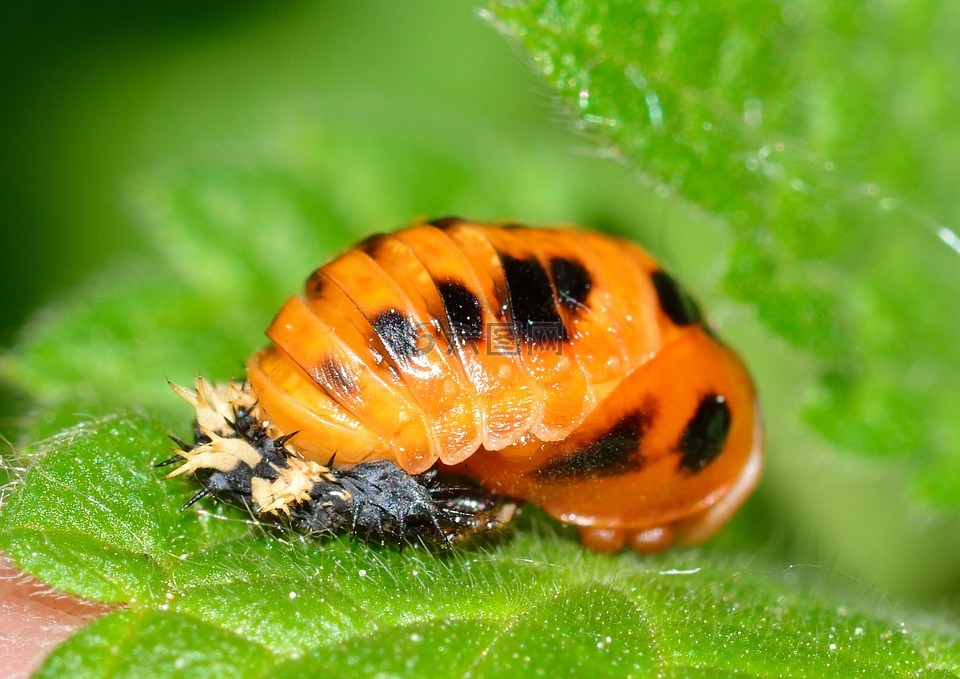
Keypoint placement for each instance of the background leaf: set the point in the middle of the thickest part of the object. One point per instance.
(778, 118)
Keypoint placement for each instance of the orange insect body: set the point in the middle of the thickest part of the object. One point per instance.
(558, 366)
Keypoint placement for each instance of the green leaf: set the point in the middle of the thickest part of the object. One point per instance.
(152, 643)
(817, 133)
(84, 516)
(212, 591)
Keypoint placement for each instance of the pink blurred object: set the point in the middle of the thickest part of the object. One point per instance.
(34, 619)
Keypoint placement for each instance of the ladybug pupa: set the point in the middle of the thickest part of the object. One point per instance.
(429, 380)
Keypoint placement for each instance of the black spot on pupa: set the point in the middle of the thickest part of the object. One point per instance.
(314, 284)
(703, 438)
(463, 311)
(532, 303)
(615, 452)
(675, 302)
(446, 221)
(571, 281)
(332, 375)
(398, 333)
(371, 245)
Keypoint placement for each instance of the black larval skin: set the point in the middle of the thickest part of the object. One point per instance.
(389, 506)
(382, 504)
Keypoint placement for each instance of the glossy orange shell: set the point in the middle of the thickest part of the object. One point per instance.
(512, 352)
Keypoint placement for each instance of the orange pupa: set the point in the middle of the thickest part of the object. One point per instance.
(555, 366)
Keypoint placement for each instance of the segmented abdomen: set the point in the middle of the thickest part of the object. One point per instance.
(437, 340)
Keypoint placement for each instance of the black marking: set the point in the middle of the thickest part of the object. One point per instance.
(398, 333)
(532, 301)
(675, 302)
(705, 434)
(464, 312)
(372, 244)
(572, 282)
(333, 376)
(446, 221)
(315, 283)
(615, 452)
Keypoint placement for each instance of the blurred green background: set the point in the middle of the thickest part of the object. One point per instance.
(95, 92)
(98, 93)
